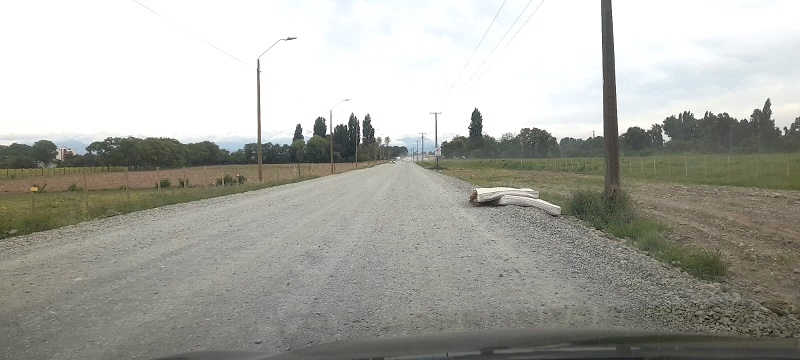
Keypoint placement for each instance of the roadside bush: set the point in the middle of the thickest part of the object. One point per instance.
(618, 217)
(73, 188)
(165, 183)
(601, 210)
(241, 179)
(226, 180)
(183, 182)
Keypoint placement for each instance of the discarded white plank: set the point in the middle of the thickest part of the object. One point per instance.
(482, 195)
(549, 208)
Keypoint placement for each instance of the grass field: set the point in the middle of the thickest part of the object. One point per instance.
(581, 197)
(29, 173)
(771, 171)
(117, 178)
(24, 212)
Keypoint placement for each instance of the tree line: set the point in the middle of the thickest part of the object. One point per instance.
(154, 152)
(712, 133)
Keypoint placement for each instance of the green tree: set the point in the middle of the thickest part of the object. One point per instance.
(386, 142)
(317, 149)
(635, 139)
(353, 133)
(44, 151)
(298, 133)
(476, 128)
(297, 151)
(320, 128)
(341, 141)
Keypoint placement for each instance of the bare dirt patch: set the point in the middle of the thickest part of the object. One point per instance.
(757, 230)
(198, 176)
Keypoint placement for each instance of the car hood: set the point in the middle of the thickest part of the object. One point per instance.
(533, 343)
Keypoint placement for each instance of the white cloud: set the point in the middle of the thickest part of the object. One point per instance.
(99, 68)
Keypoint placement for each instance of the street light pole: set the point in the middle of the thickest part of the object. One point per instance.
(331, 120)
(258, 105)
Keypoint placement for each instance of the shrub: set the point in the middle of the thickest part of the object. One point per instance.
(165, 183)
(241, 179)
(73, 187)
(601, 210)
(617, 216)
(183, 182)
(226, 180)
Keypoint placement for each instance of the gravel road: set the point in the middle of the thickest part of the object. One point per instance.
(389, 250)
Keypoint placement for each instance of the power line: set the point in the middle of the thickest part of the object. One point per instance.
(498, 43)
(509, 41)
(476, 48)
(191, 33)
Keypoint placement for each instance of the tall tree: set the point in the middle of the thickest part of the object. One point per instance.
(44, 151)
(635, 139)
(353, 133)
(317, 149)
(368, 134)
(320, 128)
(386, 142)
(298, 133)
(367, 130)
(476, 128)
(341, 141)
(379, 142)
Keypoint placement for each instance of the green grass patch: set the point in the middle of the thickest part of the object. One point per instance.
(617, 216)
(53, 210)
(766, 171)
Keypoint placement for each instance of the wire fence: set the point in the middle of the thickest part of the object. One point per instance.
(773, 171)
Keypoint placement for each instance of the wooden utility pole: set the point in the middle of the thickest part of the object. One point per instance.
(422, 148)
(610, 127)
(436, 135)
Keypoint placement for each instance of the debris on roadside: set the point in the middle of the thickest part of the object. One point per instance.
(500, 196)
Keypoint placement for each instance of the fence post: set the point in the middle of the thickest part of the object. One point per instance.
(654, 166)
(788, 177)
(729, 166)
(127, 187)
(33, 202)
(757, 169)
(686, 164)
(158, 179)
(705, 167)
(669, 167)
(85, 194)
(205, 179)
(184, 177)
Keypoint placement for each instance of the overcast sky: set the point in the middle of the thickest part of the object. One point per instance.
(91, 69)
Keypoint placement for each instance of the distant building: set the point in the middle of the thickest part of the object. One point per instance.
(64, 152)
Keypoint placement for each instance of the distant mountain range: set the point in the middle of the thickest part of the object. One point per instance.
(76, 146)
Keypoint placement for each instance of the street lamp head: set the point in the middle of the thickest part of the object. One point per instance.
(290, 38)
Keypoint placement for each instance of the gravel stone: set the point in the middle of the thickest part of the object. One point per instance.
(384, 251)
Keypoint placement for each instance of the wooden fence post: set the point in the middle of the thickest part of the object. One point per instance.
(127, 187)
(788, 177)
(85, 194)
(729, 166)
(158, 179)
(705, 167)
(654, 166)
(757, 169)
(184, 177)
(205, 178)
(686, 164)
(33, 201)
(669, 167)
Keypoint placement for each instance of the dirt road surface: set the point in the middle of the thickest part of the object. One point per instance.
(389, 250)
